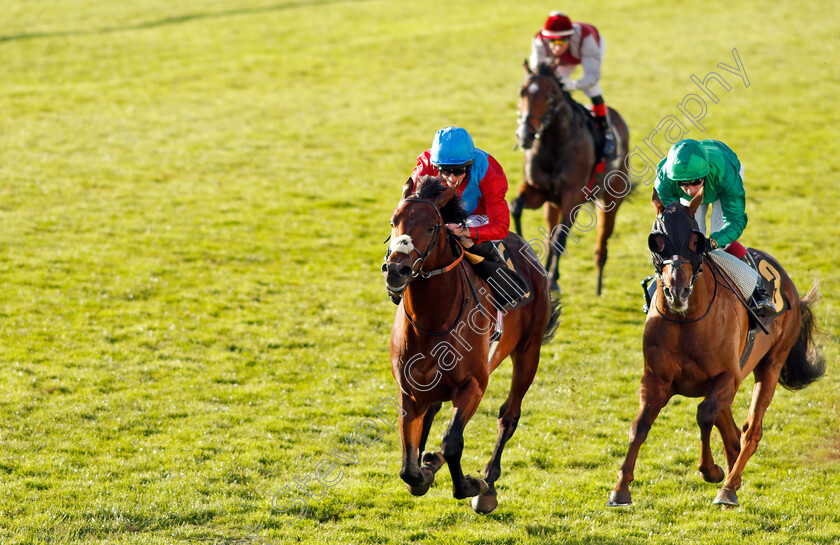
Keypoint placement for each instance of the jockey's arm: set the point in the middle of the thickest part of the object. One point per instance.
(493, 189)
(733, 209)
(538, 53)
(423, 167)
(590, 60)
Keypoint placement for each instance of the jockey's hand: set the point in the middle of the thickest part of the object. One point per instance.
(569, 85)
(458, 230)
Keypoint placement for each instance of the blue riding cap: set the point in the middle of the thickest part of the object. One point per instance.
(452, 146)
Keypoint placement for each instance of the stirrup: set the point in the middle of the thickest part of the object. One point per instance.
(762, 304)
(609, 143)
(497, 328)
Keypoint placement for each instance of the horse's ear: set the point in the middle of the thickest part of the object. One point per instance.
(657, 203)
(407, 188)
(696, 202)
(527, 68)
(445, 197)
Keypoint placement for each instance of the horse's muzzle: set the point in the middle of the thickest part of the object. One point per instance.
(397, 276)
(677, 297)
(524, 137)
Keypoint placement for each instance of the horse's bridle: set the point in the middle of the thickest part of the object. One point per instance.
(554, 105)
(677, 262)
(417, 266)
(418, 271)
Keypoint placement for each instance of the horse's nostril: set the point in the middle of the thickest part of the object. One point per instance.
(667, 291)
(384, 268)
(405, 270)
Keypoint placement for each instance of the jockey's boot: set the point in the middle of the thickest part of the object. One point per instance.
(510, 290)
(609, 139)
(762, 303)
(599, 108)
(649, 287)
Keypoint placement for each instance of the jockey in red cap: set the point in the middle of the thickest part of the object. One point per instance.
(565, 45)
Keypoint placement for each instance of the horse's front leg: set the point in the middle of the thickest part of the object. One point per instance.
(465, 401)
(418, 479)
(654, 395)
(552, 262)
(529, 197)
(721, 395)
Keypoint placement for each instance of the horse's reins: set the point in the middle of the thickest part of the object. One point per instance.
(743, 302)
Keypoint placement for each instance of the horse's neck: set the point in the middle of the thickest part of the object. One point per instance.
(562, 125)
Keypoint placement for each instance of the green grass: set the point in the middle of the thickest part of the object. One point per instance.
(193, 202)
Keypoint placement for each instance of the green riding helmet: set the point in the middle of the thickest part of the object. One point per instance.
(687, 160)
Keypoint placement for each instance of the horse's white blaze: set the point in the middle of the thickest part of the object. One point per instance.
(533, 88)
(402, 244)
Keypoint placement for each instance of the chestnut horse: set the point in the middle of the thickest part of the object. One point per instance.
(561, 141)
(440, 344)
(695, 334)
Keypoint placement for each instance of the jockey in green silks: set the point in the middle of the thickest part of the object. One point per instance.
(710, 166)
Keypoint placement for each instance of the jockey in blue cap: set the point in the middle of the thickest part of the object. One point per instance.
(481, 184)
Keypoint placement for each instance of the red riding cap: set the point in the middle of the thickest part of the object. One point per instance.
(557, 25)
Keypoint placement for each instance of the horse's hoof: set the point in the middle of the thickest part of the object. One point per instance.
(619, 498)
(714, 476)
(726, 497)
(474, 487)
(484, 504)
(418, 490)
(432, 460)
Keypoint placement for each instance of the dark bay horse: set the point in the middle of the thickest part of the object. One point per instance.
(440, 344)
(694, 338)
(561, 139)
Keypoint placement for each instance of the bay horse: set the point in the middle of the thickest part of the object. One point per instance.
(562, 144)
(440, 343)
(696, 345)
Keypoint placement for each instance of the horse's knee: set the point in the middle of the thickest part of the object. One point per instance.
(707, 413)
(600, 257)
(752, 434)
(639, 430)
(452, 444)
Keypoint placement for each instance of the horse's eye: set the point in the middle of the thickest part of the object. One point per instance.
(431, 229)
(391, 223)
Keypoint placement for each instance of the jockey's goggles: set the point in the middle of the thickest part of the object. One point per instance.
(692, 183)
(559, 41)
(454, 170)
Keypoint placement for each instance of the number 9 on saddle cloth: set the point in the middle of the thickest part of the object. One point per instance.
(490, 261)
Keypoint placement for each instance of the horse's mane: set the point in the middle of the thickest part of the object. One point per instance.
(430, 187)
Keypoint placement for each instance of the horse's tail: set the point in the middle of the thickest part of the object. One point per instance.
(554, 319)
(806, 362)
